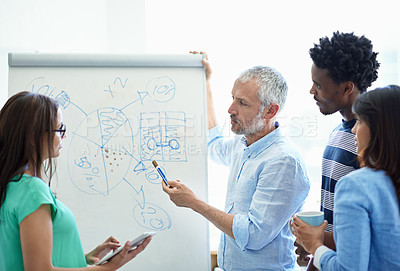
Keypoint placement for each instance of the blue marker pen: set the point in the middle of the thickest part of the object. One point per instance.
(159, 170)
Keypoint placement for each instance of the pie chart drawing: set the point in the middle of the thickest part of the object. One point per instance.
(99, 154)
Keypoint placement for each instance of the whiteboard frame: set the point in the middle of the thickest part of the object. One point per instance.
(43, 60)
(103, 60)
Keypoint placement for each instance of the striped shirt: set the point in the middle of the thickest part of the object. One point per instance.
(339, 159)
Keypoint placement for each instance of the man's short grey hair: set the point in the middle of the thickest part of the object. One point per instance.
(272, 86)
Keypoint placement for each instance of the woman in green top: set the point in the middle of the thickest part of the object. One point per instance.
(37, 231)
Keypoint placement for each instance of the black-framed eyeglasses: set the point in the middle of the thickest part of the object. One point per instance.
(62, 130)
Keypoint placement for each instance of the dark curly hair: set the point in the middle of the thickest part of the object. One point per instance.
(347, 58)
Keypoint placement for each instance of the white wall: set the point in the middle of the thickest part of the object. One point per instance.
(240, 34)
(80, 26)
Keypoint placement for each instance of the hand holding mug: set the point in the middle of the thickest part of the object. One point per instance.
(309, 229)
(313, 218)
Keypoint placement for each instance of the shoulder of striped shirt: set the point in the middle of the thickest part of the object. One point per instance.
(343, 140)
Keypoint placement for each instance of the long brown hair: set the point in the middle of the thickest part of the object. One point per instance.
(380, 109)
(25, 122)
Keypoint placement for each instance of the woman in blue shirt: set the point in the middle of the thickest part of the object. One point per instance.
(37, 231)
(367, 214)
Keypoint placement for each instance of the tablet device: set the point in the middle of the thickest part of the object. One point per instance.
(135, 242)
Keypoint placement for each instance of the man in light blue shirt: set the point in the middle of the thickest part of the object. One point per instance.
(267, 182)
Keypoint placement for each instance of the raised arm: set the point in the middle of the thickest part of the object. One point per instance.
(182, 196)
(211, 119)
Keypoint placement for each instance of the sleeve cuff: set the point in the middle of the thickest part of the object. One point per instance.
(318, 254)
(214, 133)
(240, 230)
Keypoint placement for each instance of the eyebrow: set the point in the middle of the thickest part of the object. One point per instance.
(242, 99)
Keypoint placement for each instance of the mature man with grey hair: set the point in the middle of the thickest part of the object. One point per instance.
(267, 182)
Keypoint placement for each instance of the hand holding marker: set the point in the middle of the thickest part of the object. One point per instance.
(159, 170)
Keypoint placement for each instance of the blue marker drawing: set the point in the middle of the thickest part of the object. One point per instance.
(152, 217)
(163, 136)
(107, 137)
(40, 85)
(123, 84)
(139, 196)
(109, 90)
(149, 215)
(161, 89)
(112, 89)
(63, 99)
(102, 154)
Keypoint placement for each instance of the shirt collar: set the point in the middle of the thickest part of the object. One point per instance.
(349, 123)
(263, 143)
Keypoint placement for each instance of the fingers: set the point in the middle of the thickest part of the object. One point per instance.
(113, 246)
(111, 239)
(126, 248)
(134, 252)
(173, 185)
(164, 187)
(300, 251)
(297, 222)
(299, 226)
(196, 52)
(143, 245)
(206, 63)
(111, 243)
(205, 60)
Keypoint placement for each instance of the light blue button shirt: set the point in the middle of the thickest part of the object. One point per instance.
(267, 185)
(366, 224)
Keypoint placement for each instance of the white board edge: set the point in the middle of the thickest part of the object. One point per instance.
(103, 60)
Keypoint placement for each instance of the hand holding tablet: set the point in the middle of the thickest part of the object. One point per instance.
(134, 243)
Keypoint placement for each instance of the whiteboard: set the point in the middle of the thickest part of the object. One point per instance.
(122, 112)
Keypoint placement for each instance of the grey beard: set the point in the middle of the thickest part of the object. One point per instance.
(255, 126)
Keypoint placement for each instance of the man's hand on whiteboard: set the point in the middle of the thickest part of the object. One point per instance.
(180, 194)
(206, 63)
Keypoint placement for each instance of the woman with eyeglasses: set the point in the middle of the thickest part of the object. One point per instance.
(367, 214)
(37, 231)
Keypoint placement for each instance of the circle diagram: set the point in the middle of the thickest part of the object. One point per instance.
(99, 156)
(161, 89)
(152, 217)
